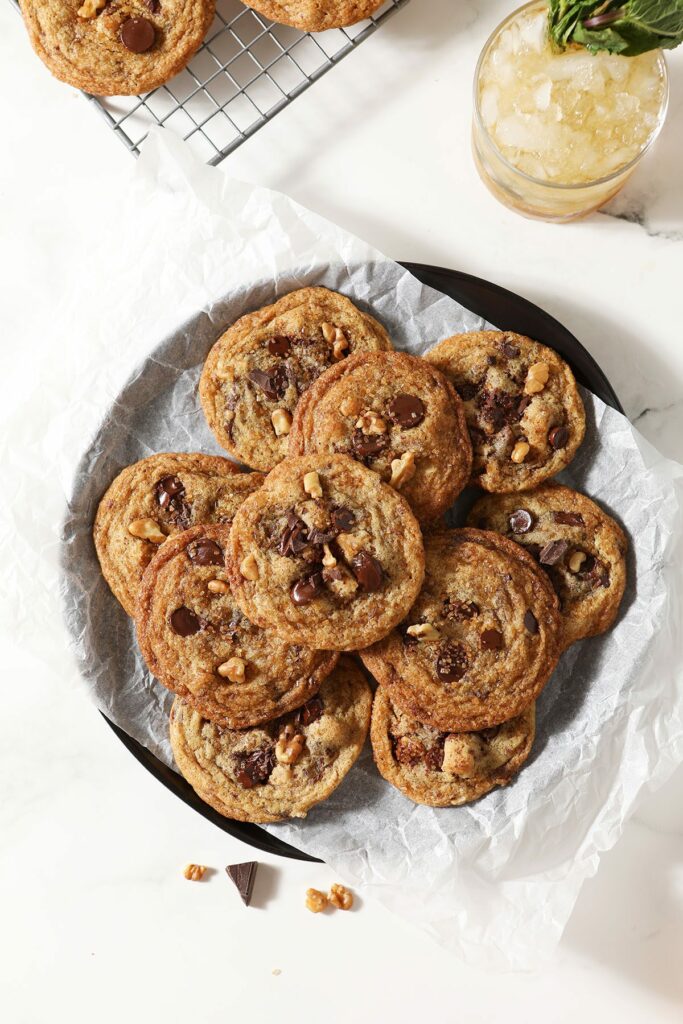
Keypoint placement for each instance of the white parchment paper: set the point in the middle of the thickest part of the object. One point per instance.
(495, 881)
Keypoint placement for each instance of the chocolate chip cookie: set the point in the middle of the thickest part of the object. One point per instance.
(326, 554)
(580, 547)
(280, 769)
(480, 642)
(523, 409)
(316, 15)
(397, 415)
(257, 371)
(116, 47)
(443, 769)
(156, 498)
(199, 645)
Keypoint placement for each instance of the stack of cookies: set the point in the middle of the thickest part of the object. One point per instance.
(255, 593)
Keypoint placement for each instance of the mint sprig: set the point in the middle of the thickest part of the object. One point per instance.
(628, 28)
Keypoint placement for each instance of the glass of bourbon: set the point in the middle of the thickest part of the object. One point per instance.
(556, 134)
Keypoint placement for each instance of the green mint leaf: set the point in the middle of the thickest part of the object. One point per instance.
(628, 27)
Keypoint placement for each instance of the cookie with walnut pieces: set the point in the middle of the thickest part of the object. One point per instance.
(397, 415)
(281, 769)
(116, 47)
(198, 644)
(256, 372)
(316, 15)
(578, 545)
(480, 642)
(157, 498)
(442, 769)
(325, 554)
(523, 408)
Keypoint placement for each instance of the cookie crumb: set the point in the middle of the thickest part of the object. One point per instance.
(194, 872)
(276, 971)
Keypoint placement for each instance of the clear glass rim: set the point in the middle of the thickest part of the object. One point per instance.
(541, 181)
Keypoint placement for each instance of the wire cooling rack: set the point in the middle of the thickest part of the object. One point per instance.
(247, 70)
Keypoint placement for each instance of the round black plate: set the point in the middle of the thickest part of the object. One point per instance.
(505, 310)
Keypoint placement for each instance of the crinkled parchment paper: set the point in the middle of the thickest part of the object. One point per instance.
(495, 881)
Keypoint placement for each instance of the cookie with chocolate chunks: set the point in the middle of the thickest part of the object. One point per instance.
(116, 47)
(257, 371)
(481, 640)
(316, 15)
(579, 546)
(197, 642)
(523, 408)
(446, 769)
(397, 415)
(325, 554)
(157, 498)
(281, 769)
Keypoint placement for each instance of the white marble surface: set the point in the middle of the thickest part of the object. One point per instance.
(98, 922)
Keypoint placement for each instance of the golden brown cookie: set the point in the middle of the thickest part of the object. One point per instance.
(580, 547)
(523, 409)
(325, 554)
(159, 497)
(397, 415)
(280, 769)
(116, 47)
(446, 769)
(199, 645)
(316, 15)
(480, 642)
(256, 371)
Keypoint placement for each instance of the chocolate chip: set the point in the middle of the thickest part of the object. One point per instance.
(587, 566)
(307, 588)
(521, 520)
(406, 410)
(137, 34)
(553, 552)
(279, 345)
(408, 750)
(521, 408)
(154, 6)
(320, 537)
(243, 876)
(294, 536)
(342, 519)
(558, 437)
(490, 360)
(273, 383)
(205, 552)
(459, 611)
(367, 571)
(491, 640)
(569, 518)
(365, 446)
(452, 662)
(434, 758)
(255, 769)
(499, 408)
(530, 621)
(510, 350)
(184, 622)
(310, 712)
(467, 390)
(167, 488)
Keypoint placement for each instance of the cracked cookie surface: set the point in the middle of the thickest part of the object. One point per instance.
(444, 769)
(335, 556)
(481, 640)
(257, 370)
(116, 47)
(523, 409)
(162, 495)
(198, 644)
(398, 416)
(581, 548)
(280, 769)
(316, 15)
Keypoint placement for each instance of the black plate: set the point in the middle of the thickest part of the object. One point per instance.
(505, 310)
